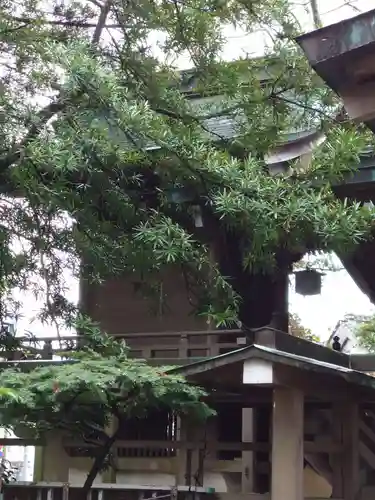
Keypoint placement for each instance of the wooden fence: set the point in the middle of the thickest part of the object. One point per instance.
(158, 346)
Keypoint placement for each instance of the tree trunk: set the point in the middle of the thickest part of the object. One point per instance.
(98, 463)
(316, 15)
(264, 296)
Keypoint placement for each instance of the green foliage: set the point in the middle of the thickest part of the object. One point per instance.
(365, 332)
(82, 394)
(85, 395)
(96, 134)
(298, 330)
(7, 393)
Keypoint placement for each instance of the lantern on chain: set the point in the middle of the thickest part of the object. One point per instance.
(308, 282)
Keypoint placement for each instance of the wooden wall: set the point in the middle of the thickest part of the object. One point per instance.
(119, 309)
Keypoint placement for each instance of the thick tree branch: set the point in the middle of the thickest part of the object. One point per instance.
(335, 118)
(49, 111)
(101, 22)
(98, 462)
(95, 2)
(7, 31)
(43, 118)
(55, 22)
(316, 15)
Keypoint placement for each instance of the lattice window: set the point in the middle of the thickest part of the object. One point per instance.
(157, 426)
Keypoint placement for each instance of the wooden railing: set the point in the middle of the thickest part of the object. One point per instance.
(115, 491)
(100, 491)
(121, 446)
(325, 446)
(159, 346)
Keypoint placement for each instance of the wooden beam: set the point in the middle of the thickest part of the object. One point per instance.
(366, 430)
(248, 458)
(310, 446)
(367, 455)
(142, 335)
(21, 442)
(287, 445)
(106, 486)
(230, 393)
(311, 383)
(363, 362)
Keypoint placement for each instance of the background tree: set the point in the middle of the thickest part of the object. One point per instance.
(97, 386)
(298, 330)
(113, 165)
(8, 473)
(365, 331)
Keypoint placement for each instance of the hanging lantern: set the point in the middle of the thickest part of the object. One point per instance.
(308, 282)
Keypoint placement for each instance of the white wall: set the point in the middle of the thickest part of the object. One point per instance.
(346, 333)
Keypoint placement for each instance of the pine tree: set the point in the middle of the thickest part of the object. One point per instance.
(106, 158)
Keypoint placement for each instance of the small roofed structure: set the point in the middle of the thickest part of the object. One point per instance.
(318, 411)
(294, 420)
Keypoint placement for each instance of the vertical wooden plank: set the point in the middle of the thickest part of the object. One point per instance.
(183, 348)
(65, 491)
(174, 493)
(38, 463)
(287, 444)
(351, 462)
(183, 462)
(336, 459)
(109, 474)
(193, 459)
(213, 345)
(248, 457)
(56, 461)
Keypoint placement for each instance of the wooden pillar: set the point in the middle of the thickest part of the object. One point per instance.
(351, 463)
(190, 463)
(346, 473)
(336, 459)
(109, 474)
(55, 459)
(248, 457)
(346, 479)
(287, 444)
(38, 464)
(182, 462)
